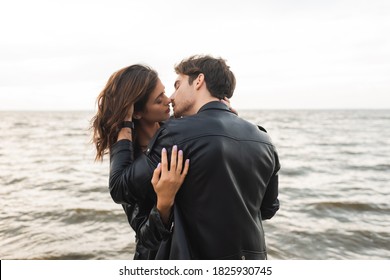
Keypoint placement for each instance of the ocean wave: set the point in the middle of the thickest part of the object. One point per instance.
(55, 185)
(64, 170)
(377, 167)
(22, 124)
(352, 153)
(81, 215)
(67, 256)
(75, 134)
(15, 181)
(329, 244)
(349, 206)
(301, 171)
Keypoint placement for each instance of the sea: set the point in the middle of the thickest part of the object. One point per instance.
(334, 187)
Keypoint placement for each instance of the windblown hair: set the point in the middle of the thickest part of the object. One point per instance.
(128, 86)
(220, 80)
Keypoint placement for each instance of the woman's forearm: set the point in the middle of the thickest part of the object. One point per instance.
(164, 208)
(125, 133)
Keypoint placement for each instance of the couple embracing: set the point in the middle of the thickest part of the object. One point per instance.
(193, 186)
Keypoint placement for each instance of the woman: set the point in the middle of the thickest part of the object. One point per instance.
(135, 93)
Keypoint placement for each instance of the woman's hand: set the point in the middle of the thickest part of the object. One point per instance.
(130, 112)
(226, 101)
(125, 132)
(166, 182)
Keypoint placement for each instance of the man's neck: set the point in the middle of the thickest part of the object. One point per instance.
(203, 101)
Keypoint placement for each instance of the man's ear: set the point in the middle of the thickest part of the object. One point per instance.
(199, 81)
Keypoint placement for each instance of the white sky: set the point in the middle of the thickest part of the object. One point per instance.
(58, 55)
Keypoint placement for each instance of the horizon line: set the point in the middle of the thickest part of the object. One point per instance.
(243, 109)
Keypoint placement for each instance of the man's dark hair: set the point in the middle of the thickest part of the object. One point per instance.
(220, 81)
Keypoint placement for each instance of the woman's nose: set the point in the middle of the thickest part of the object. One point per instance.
(167, 100)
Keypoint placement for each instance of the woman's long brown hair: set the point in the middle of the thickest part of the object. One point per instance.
(123, 89)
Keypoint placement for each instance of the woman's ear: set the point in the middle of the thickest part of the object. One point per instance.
(137, 116)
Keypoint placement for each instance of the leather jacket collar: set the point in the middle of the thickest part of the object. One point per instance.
(214, 105)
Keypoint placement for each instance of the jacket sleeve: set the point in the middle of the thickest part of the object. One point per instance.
(129, 180)
(270, 204)
(147, 224)
(130, 185)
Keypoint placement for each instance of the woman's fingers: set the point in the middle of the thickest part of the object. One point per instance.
(156, 175)
(179, 162)
(130, 112)
(226, 101)
(164, 160)
(176, 164)
(174, 158)
(167, 181)
(185, 170)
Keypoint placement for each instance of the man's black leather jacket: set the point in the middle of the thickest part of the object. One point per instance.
(231, 186)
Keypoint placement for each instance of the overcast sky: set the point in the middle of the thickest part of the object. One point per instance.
(58, 55)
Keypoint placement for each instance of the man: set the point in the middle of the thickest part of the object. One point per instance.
(232, 184)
